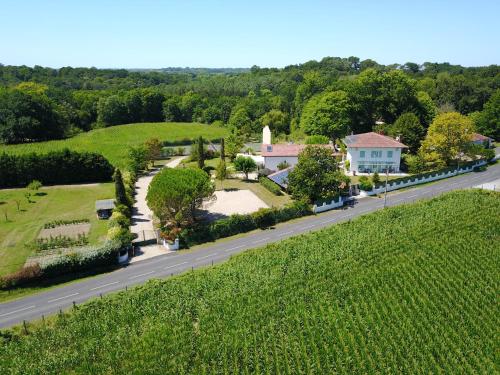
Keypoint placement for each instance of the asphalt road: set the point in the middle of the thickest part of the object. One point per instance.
(50, 302)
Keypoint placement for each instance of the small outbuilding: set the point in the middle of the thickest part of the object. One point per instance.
(104, 208)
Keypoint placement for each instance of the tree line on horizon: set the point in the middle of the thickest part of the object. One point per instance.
(331, 97)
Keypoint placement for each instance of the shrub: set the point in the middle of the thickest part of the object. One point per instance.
(118, 219)
(92, 258)
(21, 277)
(376, 178)
(56, 167)
(58, 223)
(126, 211)
(283, 165)
(34, 185)
(270, 185)
(365, 184)
(264, 217)
(242, 223)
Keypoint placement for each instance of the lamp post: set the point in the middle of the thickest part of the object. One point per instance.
(385, 192)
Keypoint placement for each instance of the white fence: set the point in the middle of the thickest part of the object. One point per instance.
(421, 180)
(328, 205)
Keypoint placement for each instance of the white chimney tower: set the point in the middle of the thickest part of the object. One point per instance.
(266, 135)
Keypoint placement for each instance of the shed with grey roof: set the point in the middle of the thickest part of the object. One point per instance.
(104, 208)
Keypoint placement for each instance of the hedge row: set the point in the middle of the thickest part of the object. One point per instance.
(270, 185)
(56, 167)
(78, 261)
(263, 218)
(424, 174)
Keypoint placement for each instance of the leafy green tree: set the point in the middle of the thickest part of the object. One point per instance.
(488, 121)
(316, 175)
(34, 185)
(153, 149)
(376, 178)
(426, 109)
(409, 129)
(174, 195)
(233, 145)
(245, 165)
(276, 120)
(448, 137)
(138, 158)
(28, 117)
(327, 114)
(241, 120)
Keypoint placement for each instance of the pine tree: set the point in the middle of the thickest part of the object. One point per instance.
(201, 153)
(222, 150)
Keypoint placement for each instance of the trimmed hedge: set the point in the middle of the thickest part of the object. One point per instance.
(56, 167)
(263, 218)
(78, 261)
(270, 185)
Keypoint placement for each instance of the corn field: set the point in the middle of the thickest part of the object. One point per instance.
(413, 289)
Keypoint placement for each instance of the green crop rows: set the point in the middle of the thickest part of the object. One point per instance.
(412, 289)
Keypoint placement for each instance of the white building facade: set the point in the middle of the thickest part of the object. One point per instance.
(372, 152)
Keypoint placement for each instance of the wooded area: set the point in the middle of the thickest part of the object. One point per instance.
(333, 97)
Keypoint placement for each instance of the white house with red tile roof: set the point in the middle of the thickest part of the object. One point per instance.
(373, 152)
(279, 153)
(482, 140)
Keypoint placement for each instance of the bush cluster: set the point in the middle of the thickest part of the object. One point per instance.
(56, 167)
(58, 223)
(41, 244)
(86, 259)
(263, 218)
(270, 185)
(365, 183)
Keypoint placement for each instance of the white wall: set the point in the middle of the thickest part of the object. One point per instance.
(325, 206)
(435, 176)
(271, 162)
(353, 155)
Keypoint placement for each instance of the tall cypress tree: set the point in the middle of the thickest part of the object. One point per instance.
(120, 194)
(201, 153)
(222, 150)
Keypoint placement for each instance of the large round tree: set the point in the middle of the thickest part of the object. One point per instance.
(327, 114)
(174, 194)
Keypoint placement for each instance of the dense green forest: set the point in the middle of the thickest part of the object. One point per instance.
(333, 97)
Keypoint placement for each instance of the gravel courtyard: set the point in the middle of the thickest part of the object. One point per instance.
(231, 202)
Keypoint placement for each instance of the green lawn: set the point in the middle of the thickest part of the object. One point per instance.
(410, 289)
(113, 142)
(59, 203)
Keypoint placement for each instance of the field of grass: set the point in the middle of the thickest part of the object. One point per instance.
(113, 142)
(411, 289)
(23, 226)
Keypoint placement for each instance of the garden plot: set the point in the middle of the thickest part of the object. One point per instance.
(66, 230)
(230, 202)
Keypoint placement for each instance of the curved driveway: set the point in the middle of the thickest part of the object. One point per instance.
(52, 301)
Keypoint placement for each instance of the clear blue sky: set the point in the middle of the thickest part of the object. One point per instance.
(212, 33)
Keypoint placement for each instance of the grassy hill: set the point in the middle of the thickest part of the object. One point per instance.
(412, 289)
(113, 142)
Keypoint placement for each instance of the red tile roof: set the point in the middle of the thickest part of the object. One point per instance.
(285, 149)
(372, 139)
(476, 137)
